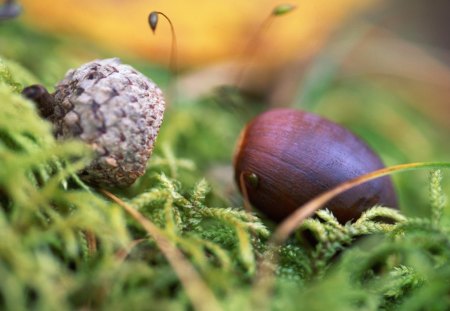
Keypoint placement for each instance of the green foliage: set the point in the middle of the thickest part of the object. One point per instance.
(187, 221)
(47, 215)
(7, 78)
(64, 246)
(438, 200)
(333, 237)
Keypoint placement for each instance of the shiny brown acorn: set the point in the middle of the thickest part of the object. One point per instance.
(286, 157)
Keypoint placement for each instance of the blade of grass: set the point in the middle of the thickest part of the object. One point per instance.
(123, 253)
(201, 296)
(264, 281)
(295, 220)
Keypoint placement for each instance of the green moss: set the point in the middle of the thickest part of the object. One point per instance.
(48, 219)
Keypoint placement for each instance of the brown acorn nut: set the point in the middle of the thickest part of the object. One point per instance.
(286, 157)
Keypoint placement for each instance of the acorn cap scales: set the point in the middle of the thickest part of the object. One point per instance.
(114, 109)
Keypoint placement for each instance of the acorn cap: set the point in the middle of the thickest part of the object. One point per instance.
(114, 109)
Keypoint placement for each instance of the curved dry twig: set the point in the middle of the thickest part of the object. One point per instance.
(264, 281)
(288, 226)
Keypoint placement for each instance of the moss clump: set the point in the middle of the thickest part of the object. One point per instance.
(66, 246)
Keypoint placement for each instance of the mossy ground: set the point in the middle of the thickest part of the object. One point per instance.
(49, 218)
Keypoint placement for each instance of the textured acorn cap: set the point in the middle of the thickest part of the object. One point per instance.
(117, 111)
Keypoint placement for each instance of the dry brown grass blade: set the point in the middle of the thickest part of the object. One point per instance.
(201, 296)
(91, 241)
(265, 278)
(122, 254)
(295, 220)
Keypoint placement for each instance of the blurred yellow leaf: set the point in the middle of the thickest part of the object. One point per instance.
(207, 31)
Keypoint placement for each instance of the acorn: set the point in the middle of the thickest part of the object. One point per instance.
(111, 107)
(286, 157)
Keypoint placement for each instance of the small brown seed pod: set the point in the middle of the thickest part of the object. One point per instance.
(286, 157)
(115, 109)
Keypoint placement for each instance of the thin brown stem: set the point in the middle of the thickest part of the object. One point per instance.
(173, 51)
(286, 228)
(201, 296)
(123, 253)
(252, 46)
(265, 279)
(43, 100)
(91, 241)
